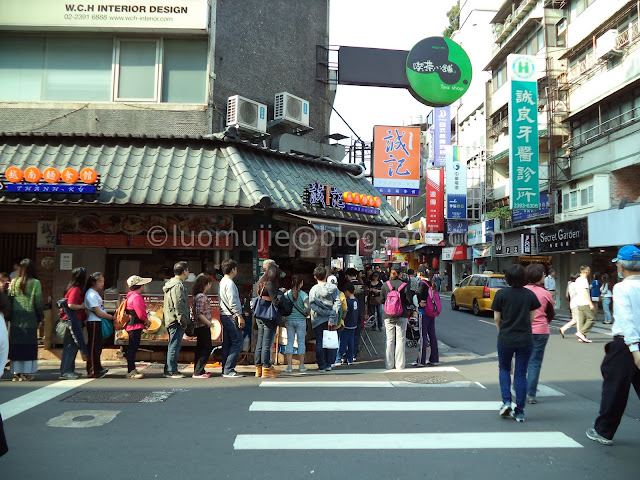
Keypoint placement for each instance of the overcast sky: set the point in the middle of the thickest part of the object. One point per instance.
(395, 25)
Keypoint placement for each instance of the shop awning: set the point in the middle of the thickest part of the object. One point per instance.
(215, 171)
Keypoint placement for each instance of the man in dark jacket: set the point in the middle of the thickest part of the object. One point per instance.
(360, 293)
(177, 316)
(396, 325)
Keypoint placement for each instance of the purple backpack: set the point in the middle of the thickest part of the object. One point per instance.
(393, 303)
(433, 306)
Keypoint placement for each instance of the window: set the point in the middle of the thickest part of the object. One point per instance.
(497, 283)
(586, 196)
(573, 200)
(102, 69)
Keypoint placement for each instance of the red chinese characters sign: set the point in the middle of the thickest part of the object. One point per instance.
(435, 200)
(396, 160)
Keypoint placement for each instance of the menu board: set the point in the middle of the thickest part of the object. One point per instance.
(157, 333)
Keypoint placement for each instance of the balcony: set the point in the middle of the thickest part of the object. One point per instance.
(502, 31)
(610, 126)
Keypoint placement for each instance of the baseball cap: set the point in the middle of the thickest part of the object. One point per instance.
(134, 280)
(423, 269)
(332, 279)
(267, 263)
(628, 252)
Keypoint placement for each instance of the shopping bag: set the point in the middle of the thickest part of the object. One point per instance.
(330, 339)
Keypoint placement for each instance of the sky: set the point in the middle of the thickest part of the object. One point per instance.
(395, 25)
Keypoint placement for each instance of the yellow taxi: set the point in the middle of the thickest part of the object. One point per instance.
(477, 292)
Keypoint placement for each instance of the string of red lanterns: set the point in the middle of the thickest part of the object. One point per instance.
(362, 199)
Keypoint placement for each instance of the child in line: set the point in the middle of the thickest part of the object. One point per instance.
(347, 336)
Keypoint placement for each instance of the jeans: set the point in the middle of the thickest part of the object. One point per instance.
(396, 329)
(132, 349)
(379, 315)
(176, 332)
(606, 306)
(266, 332)
(296, 328)
(73, 341)
(324, 356)
(203, 349)
(346, 345)
(428, 329)
(505, 355)
(94, 367)
(231, 344)
(535, 362)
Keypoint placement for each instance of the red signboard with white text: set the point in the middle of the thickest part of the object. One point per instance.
(435, 200)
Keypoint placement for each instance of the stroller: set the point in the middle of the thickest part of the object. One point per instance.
(413, 333)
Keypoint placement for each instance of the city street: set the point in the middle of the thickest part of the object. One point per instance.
(355, 422)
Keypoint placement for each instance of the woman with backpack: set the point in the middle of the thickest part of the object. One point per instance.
(396, 297)
(75, 315)
(429, 308)
(136, 307)
(297, 323)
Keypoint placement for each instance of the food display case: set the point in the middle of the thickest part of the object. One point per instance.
(157, 333)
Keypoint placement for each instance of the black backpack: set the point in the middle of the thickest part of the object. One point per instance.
(284, 304)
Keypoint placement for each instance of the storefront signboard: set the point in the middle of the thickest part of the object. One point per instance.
(456, 186)
(457, 226)
(120, 15)
(320, 195)
(523, 133)
(563, 237)
(396, 160)
(442, 135)
(454, 253)
(46, 236)
(525, 243)
(435, 200)
(615, 227)
(434, 238)
(66, 261)
(482, 232)
(524, 215)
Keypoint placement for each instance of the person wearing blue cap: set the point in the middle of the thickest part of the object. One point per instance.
(621, 365)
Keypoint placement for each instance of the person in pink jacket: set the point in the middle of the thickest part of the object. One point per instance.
(137, 309)
(534, 275)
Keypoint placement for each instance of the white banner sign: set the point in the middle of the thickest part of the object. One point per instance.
(109, 15)
(456, 183)
(433, 238)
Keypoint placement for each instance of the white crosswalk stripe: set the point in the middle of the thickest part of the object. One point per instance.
(372, 406)
(362, 384)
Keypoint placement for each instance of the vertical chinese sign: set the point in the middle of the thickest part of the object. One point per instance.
(523, 133)
(456, 172)
(442, 135)
(435, 200)
(396, 160)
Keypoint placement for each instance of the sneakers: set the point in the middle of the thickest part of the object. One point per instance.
(417, 364)
(531, 400)
(234, 374)
(204, 375)
(303, 369)
(505, 410)
(69, 376)
(173, 375)
(328, 369)
(596, 437)
(134, 374)
(101, 374)
(321, 370)
(258, 371)
(518, 417)
(433, 364)
(269, 372)
(288, 369)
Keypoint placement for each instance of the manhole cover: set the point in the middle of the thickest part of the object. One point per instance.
(427, 379)
(104, 396)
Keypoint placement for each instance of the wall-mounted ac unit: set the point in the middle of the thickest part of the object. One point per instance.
(291, 109)
(606, 45)
(246, 115)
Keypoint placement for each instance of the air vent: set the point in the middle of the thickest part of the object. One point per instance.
(291, 109)
(246, 115)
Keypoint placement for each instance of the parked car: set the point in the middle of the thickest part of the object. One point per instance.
(477, 292)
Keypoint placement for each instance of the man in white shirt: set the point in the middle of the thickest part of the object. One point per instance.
(586, 314)
(550, 284)
(621, 365)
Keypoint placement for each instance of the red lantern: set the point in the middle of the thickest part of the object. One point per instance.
(377, 201)
(356, 198)
(370, 200)
(347, 197)
(434, 263)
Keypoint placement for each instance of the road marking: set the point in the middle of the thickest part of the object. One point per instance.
(353, 371)
(546, 391)
(33, 399)
(73, 418)
(480, 385)
(406, 441)
(460, 384)
(391, 406)
(362, 384)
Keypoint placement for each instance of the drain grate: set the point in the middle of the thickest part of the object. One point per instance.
(111, 396)
(427, 379)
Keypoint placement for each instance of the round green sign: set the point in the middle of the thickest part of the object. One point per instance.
(439, 71)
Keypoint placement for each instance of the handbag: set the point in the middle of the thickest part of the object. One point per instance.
(266, 311)
(61, 328)
(329, 339)
(107, 328)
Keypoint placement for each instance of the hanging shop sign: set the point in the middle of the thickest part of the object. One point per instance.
(523, 133)
(454, 253)
(46, 236)
(435, 200)
(324, 196)
(396, 160)
(434, 238)
(482, 252)
(105, 15)
(51, 181)
(482, 232)
(563, 237)
(456, 186)
(442, 135)
(439, 71)
(513, 243)
(524, 215)
(457, 227)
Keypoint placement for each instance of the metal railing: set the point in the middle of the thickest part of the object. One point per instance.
(615, 123)
(628, 36)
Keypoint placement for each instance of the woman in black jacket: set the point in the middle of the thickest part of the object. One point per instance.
(267, 289)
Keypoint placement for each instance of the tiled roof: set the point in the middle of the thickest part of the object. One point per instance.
(215, 171)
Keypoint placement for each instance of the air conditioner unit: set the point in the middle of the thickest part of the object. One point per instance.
(291, 109)
(606, 45)
(246, 114)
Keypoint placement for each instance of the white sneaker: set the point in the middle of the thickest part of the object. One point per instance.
(505, 410)
(303, 369)
(288, 369)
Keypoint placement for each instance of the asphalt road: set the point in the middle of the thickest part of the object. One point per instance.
(360, 422)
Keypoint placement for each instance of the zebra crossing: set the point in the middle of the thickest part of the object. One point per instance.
(357, 397)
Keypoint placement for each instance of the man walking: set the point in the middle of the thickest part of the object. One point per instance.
(176, 316)
(586, 315)
(621, 365)
(550, 284)
(324, 300)
(231, 319)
